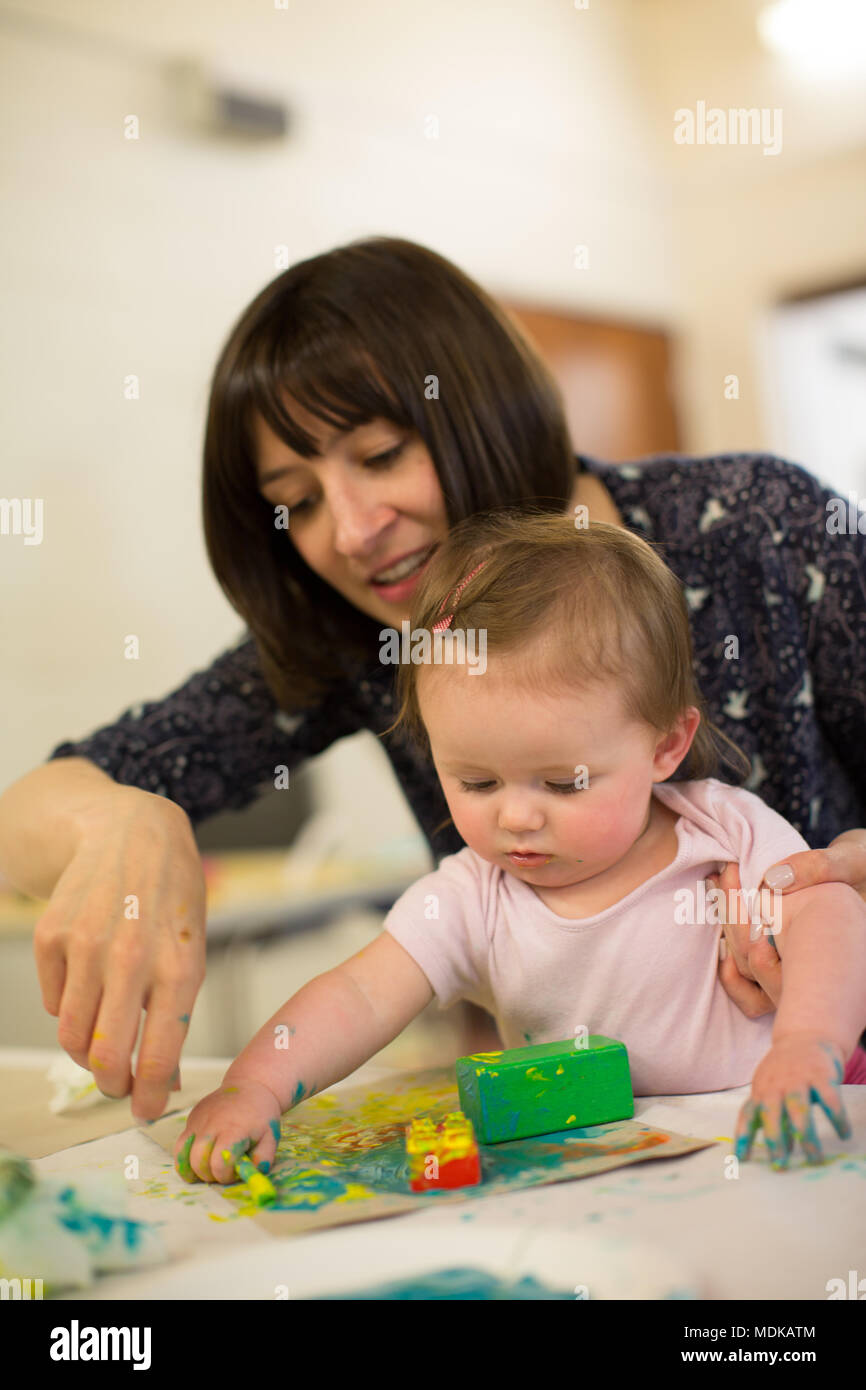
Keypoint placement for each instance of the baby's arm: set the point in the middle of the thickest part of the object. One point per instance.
(818, 1022)
(823, 950)
(331, 1026)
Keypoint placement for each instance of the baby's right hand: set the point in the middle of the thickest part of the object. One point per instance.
(239, 1117)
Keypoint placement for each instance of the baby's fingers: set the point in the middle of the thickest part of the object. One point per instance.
(228, 1151)
(749, 1121)
(800, 1111)
(828, 1097)
(263, 1154)
(182, 1161)
(770, 1116)
(198, 1156)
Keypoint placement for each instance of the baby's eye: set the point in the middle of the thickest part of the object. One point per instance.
(564, 787)
(474, 786)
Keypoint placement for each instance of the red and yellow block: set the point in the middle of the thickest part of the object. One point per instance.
(443, 1155)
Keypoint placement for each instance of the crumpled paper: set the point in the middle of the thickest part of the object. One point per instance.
(67, 1233)
(74, 1086)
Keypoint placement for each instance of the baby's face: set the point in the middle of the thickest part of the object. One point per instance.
(565, 777)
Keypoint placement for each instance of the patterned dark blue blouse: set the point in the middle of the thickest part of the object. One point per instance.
(746, 535)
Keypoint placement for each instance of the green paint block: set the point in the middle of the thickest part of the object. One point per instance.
(545, 1088)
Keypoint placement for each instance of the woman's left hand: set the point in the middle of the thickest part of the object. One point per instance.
(750, 970)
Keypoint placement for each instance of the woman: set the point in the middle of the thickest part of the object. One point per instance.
(366, 400)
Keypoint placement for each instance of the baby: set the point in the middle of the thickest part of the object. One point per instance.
(577, 905)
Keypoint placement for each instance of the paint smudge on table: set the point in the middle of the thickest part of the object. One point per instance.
(335, 1151)
(835, 1163)
(457, 1285)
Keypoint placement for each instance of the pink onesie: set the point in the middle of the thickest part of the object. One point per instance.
(643, 970)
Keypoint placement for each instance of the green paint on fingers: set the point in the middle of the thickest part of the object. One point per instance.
(184, 1167)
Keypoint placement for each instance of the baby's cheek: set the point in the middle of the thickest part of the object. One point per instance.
(601, 829)
(472, 825)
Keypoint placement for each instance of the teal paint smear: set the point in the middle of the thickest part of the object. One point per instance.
(97, 1229)
(274, 1126)
(385, 1169)
(183, 1018)
(307, 1192)
(459, 1285)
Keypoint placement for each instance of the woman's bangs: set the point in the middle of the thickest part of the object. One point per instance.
(332, 380)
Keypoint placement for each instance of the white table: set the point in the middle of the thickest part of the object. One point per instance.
(760, 1235)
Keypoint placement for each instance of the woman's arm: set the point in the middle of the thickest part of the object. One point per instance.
(104, 829)
(214, 743)
(125, 927)
(42, 817)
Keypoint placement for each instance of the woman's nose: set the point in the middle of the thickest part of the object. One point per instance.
(358, 522)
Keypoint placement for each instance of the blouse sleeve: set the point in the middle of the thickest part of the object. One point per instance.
(213, 743)
(827, 554)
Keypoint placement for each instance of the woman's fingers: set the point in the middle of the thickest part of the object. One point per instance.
(124, 968)
(766, 968)
(749, 969)
(158, 1063)
(126, 926)
(749, 997)
(50, 956)
(727, 884)
(843, 861)
(79, 1005)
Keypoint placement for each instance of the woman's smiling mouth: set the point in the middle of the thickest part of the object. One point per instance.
(394, 581)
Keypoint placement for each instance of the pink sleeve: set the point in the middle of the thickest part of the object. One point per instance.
(440, 921)
(758, 835)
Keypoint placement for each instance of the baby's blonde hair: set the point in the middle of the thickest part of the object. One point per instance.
(571, 606)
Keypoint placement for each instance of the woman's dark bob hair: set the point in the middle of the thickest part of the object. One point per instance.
(353, 335)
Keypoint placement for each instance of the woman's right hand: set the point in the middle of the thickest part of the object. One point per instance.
(124, 930)
(750, 970)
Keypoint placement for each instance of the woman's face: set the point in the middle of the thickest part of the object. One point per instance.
(364, 514)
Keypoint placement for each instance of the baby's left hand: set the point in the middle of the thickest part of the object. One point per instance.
(799, 1071)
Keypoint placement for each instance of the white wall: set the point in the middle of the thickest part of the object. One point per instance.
(136, 257)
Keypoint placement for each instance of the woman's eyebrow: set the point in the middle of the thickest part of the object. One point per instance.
(284, 468)
(274, 474)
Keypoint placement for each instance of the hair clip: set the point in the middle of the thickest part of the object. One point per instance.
(444, 623)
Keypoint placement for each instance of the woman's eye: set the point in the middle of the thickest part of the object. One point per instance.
(389, 456)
